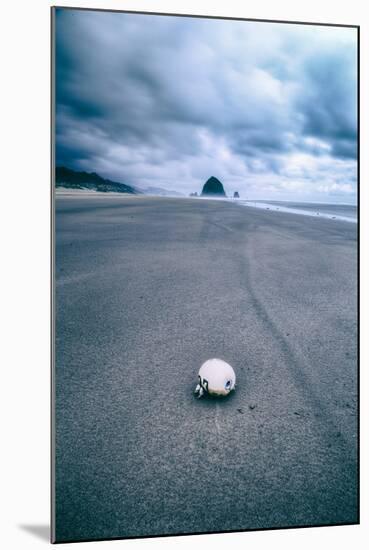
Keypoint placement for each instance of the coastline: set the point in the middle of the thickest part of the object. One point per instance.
(327, 211)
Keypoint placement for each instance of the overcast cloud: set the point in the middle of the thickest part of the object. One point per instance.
(269, 109)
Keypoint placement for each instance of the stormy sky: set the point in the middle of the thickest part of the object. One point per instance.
(268, 108)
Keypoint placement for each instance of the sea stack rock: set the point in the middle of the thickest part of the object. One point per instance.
(236, 195)
(213, 187)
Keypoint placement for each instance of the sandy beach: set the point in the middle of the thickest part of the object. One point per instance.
(149, 288)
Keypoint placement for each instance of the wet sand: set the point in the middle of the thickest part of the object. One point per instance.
(149, 288)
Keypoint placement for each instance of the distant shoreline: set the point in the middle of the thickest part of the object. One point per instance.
(340, 212)
(333, 211)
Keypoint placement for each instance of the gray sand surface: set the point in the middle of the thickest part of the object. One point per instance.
(149, 288)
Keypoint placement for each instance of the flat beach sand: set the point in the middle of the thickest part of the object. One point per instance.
(149, 288)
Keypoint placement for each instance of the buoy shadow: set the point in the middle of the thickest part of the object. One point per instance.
(214, 399)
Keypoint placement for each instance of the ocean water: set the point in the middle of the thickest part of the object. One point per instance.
(343, 212)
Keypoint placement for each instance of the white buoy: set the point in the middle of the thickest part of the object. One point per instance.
(216, 377)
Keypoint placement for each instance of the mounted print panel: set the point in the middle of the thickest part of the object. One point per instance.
(205, 353)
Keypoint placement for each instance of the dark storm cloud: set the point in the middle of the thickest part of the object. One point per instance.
(329, 103)
(169, 101)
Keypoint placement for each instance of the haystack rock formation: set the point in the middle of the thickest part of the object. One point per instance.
(213, 187)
